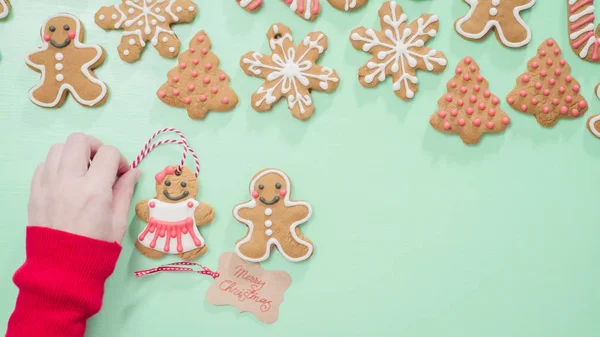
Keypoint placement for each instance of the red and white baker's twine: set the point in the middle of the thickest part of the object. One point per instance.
(172, 267)
(151, 146)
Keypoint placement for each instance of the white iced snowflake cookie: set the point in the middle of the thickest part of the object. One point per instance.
(291, 71)
(145, 21)
(398, 50)
(504, 16)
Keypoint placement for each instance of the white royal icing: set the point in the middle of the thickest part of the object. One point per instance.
(492, 23)
(591, 123)
(405, 50)
(290, 70)
(585, 27)
(147, 20)
(85, 69)
(272, 241)
(268, 211)
(350, 4)
(268, 223)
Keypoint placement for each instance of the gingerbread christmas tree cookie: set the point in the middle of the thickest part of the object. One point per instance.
(4, 8)
(291, 71)
(547, 90)
(469, 108)
(145, 21)
(273, 219)
(66, 65)
(197, 83)
(398, 50)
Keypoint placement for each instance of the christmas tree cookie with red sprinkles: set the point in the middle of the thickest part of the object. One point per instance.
(469, 108)
(547, 90)
(197, 83)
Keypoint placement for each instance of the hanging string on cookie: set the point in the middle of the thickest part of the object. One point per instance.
(174, 267)
(151, 145)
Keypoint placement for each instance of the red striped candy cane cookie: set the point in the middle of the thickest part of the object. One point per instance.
(250, 5)
(582, 29)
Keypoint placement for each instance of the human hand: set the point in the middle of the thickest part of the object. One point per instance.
(72, 194)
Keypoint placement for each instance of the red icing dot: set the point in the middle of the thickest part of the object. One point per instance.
(460, 102)
(495, 101)
(510, 100)
(543, 73)
(546, 92)
(447, 126)
(564, 110)
(473, 99)
(448, 98)
(47, 38)
(468, 60)
(568, 78)
(472, 68)
(194, 73)
(555, 101)
(526, 79)
(152, 204)
(562, 62)
(200, 38)
(568, 99)
(195, 61)
(466, 77)
(556, 52)
(479, 78)
(477, 122)
(549, 62)
(187, 100)
(182, 65)
(454, 112)
(546, 109)
(458, 70)
(523, 107)
(470, 111)
(175, 79)
(562, 90)
(552, 81)
(452, 85)
(522, 93)
(222, 77)
(505, 120)
(549, 42)
(535, 65)
(534, 101)
(214, 90)
(225, 100)
(175, 92)
(190, 204)
(489, 125)
(575, 112)
(581, 104)
(492, 112)
(202, 98)
(557, 72)
(191, 87)
(542, 52)
(206, 80)
(481, 106)
(461, 122)
(463, 90)
(538, 85)
(487, 94)
(162, 94)
(576, 88)
(208, 66)
(476, 88)
(204, 51)
(192, 50)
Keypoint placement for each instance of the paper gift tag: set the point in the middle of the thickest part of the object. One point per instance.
(248, 287)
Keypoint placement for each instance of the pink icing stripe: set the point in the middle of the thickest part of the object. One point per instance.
(581, 4)
(595, 54)
(315, 7)
(255, 5)
(581, 41)
(587, 20)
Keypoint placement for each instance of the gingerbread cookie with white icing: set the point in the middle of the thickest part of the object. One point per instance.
(173, 217)
(503, 16)
(306, 9)
(66, 65)
(347, 5)
(273, 219)
(4, 8)
(146, 21)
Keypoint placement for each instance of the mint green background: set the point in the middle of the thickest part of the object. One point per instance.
(416, 234)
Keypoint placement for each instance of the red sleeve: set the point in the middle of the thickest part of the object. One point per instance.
(61, 283)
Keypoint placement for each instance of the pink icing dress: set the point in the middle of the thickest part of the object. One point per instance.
(172, 227)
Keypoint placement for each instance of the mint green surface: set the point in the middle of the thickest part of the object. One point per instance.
(416, 234)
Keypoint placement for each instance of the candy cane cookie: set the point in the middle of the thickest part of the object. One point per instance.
(583, 34)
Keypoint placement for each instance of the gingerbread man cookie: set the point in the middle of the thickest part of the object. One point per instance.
(502, 15)
(173, 217)
(4, 8)
(291, 71)
(398, 50)
(146, 21)
(66, 64)
(272, 219)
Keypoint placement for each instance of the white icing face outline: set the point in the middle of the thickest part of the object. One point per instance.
(5, 9)
(272, 241)
(492, 23)
(85, 68)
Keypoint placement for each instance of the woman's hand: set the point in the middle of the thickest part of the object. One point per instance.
(83, 187)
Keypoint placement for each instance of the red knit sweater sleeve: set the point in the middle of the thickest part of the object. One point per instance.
(61, 283)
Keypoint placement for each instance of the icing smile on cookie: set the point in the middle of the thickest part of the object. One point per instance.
(61, 45)
(270, 202)
(179, 197)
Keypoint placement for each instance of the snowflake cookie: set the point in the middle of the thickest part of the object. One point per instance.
(398, 50)
(4, 8)
(306, 9)
(502, 15)
(146, 20)
(291, 71)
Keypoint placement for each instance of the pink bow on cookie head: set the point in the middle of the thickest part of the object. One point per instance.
(160, 176)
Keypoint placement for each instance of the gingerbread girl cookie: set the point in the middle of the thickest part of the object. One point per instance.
(504, 16)
(4, 8)
(146, 21)
(173, 217)
(66, 64)
(272, 219)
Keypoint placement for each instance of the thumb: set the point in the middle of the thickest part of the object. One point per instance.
(122, 195)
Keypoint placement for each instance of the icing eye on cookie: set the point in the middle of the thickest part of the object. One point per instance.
(261, 187)
(66, 27)
(277, 185)
(183, 184)
(52, 28)
(167, 182)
